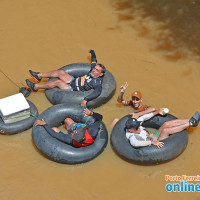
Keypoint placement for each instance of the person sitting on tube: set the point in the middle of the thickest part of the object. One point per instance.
(92, 80)
(139, 136)
(80, 135)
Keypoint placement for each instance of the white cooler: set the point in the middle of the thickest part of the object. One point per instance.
(14, 108)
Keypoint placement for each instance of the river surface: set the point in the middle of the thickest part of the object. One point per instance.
(153, 45)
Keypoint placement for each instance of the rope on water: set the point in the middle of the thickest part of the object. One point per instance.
(9, 78)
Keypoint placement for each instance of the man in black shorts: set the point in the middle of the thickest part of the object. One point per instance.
(92, 80)
(80, 135)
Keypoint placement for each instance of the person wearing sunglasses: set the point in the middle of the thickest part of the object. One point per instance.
(80, 135)
(138, 136)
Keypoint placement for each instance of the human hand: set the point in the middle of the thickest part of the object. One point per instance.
(124, 87)
(134, 115)
(40, 122)
(90, 50)
(87, 112)
(83, 103)
(158, 144)
(160, 111)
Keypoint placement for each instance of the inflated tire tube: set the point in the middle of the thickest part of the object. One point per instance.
(58, 96)
(17, 127)
(174, 145)
(58, 151)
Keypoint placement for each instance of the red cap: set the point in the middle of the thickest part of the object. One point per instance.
(137, 94)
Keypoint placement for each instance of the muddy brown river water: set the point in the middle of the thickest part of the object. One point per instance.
(136, 47)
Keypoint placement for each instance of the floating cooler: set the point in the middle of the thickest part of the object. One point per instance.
(14, 108)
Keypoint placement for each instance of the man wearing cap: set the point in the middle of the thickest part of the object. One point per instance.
(135, 103)
(136, 99)
(139, 136)
(80, 135)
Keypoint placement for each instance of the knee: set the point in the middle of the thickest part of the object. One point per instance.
(62, 72)
(56, 129)
(166, 124)
(67, 120)
(58, 82)
(165, 131)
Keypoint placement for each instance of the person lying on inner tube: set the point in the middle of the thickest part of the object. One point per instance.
(92, 80)
(139, 136)
(80, 135)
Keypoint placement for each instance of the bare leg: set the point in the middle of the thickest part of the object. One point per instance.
(52, 84)
(61, 74)
(56, 129)
(68, 122)
(114, 122)
(172, 127)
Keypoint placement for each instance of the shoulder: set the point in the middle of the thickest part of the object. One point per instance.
(97, 81)
(142, 108)
(127, 103)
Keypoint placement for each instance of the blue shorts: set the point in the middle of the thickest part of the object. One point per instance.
(74, 125)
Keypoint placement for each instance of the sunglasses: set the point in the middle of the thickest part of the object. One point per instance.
(135, 98)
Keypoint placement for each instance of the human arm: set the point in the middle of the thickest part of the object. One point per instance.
(93, 126)
(83, 103)
(120, 97)
(141, 143)
(96, 91)
(93, 56)
(139, 114)
(88, 112)
(66, 138)
(157, 143)
(149, 115)
(138, 143)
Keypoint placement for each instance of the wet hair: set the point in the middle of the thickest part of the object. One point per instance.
(103, 69)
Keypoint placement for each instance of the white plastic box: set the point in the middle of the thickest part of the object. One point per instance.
(14, 108)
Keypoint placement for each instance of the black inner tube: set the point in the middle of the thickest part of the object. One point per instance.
(174, 145)
(58, 151)
(58, 96)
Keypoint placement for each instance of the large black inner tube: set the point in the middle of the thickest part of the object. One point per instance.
(58, 96)
(174, 145)
(17, 127)
(58, 151)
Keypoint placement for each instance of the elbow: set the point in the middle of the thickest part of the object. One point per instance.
(134, 144)
(151, 109)
(119, 100)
